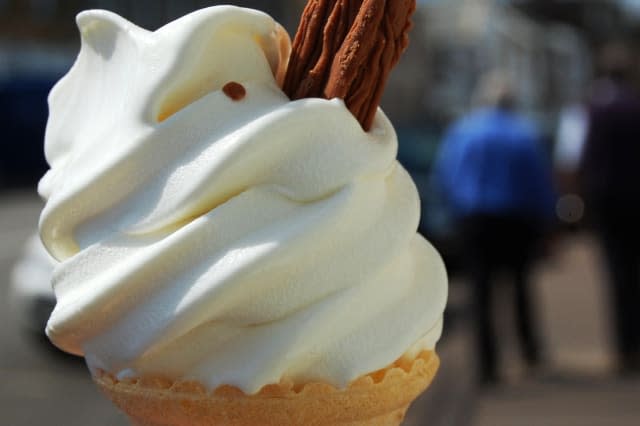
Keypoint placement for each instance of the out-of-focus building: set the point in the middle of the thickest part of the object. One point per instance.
(550, 63)
(598, 20)
(546, 45)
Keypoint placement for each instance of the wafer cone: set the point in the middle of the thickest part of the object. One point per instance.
(379, 398)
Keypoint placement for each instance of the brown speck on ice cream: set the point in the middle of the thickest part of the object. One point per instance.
(234, 90)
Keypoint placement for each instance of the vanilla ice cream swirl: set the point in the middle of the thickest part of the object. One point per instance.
(230, 240)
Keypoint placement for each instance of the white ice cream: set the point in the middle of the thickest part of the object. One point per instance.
(231, 242)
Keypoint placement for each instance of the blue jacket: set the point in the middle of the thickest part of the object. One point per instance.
(491, 162)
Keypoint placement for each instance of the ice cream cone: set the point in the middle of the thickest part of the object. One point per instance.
(379, 398)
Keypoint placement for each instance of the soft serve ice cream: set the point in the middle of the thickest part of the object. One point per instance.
(226, 236)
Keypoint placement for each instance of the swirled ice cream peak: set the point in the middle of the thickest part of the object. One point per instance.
(229, 240)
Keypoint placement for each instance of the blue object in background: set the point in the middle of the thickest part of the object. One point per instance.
(491, 162)
(23, 118)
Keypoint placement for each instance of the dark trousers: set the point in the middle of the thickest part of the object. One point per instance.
(494, 244)
(619, 231)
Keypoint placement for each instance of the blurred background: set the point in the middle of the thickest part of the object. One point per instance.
(518, 121)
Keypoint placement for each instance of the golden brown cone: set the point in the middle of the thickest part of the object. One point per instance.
(380, 398)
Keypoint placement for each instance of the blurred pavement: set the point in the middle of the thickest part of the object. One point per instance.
(40, 385)
(577, 388)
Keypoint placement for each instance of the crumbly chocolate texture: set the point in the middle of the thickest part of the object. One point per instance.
(346, 49)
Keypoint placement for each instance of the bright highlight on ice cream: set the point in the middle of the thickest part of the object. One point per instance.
(211, 229)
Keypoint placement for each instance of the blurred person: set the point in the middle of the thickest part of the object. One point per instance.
(610, 178)
(492, 173)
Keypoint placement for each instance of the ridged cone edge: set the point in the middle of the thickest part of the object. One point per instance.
(378, 398)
